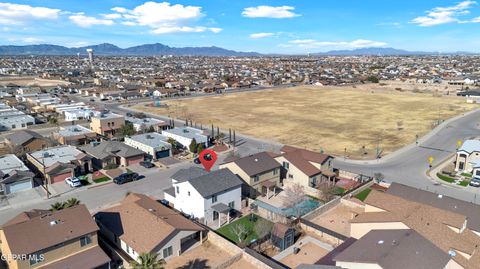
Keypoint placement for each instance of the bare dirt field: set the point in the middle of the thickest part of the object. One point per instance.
(309, 254)
(31, 81)
(331, 119)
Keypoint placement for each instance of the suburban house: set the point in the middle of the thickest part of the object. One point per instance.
(205, 195)
(155, 145)
(395, 248)
(142, 125)
(305, 167)
(14, 175)
(56, 164)
(468, 157)
(24, 141)
(106, 124)
(60, 239)
(450, 224)
(139, 224)
(74, 135)
(185, 135)
(13, 119)
(260, 172)
(115, 153)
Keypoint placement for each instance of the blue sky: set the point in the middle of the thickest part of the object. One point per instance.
(265, 26)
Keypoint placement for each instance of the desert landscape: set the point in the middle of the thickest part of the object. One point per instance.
(329, 119)
(31, 81)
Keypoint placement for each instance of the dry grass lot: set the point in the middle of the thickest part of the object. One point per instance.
(338, 218)
(32, 81)
(203, 256)
(328, 118)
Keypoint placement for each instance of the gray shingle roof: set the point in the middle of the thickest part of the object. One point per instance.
(257, 163)
(215, 182)
(20, 137)
(188, 173)
(111, 148)
(395, 249)
(470, 146)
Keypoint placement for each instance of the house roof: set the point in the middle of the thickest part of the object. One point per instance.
(215, 182)
(143, 223)
(188, 173)
(46, 229)
(90, 258)
(469, 210)
(470, 146)
(21, 137)
(257, 163)
(111, 148)
(16, 175)
(433, 223)
(303, 159)
(392, 249)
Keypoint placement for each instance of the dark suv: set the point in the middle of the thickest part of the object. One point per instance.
(125, 178)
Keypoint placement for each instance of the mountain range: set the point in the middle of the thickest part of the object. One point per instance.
(107, 49)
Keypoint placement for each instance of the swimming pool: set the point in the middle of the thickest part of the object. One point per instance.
(301, 208)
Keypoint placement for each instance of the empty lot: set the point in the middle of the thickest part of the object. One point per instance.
(331, 119)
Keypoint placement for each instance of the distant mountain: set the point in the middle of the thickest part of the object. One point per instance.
(382, 51)
(110, 50)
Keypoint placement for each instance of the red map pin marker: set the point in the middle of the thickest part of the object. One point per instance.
(208, 158)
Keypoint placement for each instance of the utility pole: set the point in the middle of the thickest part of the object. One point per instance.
(45, 177)
(229, 135)
(234, 141)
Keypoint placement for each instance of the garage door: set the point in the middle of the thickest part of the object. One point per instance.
(60, 177)
(135, 160)
(18, 186)
(162, 154)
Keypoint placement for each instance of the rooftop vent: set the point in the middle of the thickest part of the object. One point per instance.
(151, 210)
(440, 196)
(54, 222)
(452, 253)
(149, 136)
(380, 242)
(46, 154)
(256, 160)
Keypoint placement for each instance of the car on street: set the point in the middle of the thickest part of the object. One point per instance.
(125, 178)
(475, 182)
(147, 164)
(73, 182)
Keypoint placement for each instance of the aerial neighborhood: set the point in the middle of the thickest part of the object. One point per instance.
(109, 162)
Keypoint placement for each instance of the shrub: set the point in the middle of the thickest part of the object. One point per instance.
(445, 178)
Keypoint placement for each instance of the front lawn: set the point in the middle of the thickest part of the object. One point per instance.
(101, 179)
(464, 183)
(363, 194)
(445, 178)
(338, 190)
(248, 223)
(466, 174)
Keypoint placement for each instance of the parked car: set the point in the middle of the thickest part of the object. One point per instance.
(147, 164)
(475, 182)
(125, 178)
(73, 182)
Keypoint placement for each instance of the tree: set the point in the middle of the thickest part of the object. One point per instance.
(295, 195)
(56, 206)
(140, 115)
(71, 202)
(378, 177)
(239, 230)
(127, 129)
(262, 228)
(372, 79)
(199, 148)
(193, 146)
(327, 190)
(148, 261)
(151, 129)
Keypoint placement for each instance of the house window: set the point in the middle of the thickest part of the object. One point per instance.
(167, 252)
(255, 178)
(128, 248)
(113, 123)
(108, 124)
(36, 258)
(290, 176)
(286, 165)
(275, 171)
(85, 240)
(215, 215)
(178, 189)
(14, 126)
(231, 204)
(188, 193)
(23, 124)
(214, 199)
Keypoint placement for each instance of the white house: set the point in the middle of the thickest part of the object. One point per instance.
(185, 135)
(154, 144)
(209, 196)
(468, 157)
(78, 114)
(141, 125)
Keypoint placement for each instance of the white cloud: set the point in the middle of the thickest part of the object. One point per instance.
(112, 16)
(355, 44)
(84, 21)
(32, 40)
(280, 12)
(164, 18)
(261, 35)
(18, 14)
(443, 15)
